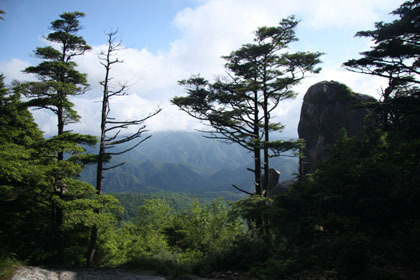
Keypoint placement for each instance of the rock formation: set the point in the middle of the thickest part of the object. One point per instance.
(275, 187)
(327, 108)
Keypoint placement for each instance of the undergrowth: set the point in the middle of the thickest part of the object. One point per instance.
(8, 266)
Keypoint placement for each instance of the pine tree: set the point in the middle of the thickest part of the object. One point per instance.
(58, 81)
(25, 215)
(395, 57)
(239, 107)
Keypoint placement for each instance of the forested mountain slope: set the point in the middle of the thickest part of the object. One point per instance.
(184, 162)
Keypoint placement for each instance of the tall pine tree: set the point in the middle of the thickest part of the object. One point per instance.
(239, 107)
(58, 81)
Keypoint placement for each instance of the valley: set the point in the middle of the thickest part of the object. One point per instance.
(185, 162)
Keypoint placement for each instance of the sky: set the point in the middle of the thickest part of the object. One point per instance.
(169, 40)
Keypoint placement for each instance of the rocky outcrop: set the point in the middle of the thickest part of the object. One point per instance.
(327, 108)
(31, 273)
(275, 187)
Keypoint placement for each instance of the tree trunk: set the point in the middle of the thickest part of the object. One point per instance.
(90, 254)
(266, 140)
(60, 128)
(257, 172)
(91, 248)
(266, 129)
(257, 147)
(59, 190)
(58, 231)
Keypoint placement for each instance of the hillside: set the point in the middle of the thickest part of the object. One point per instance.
(184, 162)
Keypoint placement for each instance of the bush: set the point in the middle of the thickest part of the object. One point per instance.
(8, 266)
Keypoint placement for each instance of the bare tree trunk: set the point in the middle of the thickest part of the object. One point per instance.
(106, 141)
(90, 254)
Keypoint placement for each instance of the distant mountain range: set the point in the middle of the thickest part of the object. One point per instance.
(184, 162)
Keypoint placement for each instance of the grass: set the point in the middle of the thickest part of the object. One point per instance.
(8, 266)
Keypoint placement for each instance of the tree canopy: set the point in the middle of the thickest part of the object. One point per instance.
(395, 57)
(238, 107)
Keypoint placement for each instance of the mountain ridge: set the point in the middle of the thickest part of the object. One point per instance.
(184, 162)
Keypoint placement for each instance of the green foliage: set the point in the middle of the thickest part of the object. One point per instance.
(23, 180)
(395, 57)
(8, 266)
(175, 243)
(206, 230)
(255, 209)
(179, 202)
(238, 107)
(57, 74)
(394, 54)
(35, 188)
(187, 163)
(73, 209)
(357, 216)
(354, 214)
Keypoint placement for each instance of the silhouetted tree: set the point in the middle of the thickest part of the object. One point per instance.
(239, 107)
(396, 57)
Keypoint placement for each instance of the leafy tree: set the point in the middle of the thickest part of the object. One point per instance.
(239, 107)
(204, 230)
(1, 14)
(172, 241)
(140, 240)
(154, 214)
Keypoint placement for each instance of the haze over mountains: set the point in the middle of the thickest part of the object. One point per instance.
(184, 162)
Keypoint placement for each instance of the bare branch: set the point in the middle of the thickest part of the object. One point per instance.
(131, 148)
(112, 167)
(242, 190)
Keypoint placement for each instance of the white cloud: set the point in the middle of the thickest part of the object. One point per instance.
(208, 31)
(12, 70)
(47, 122)
(344, 14)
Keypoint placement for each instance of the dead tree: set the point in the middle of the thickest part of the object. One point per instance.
(111, 128)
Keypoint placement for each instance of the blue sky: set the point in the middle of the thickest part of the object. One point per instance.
(169, 40)
(144, 23)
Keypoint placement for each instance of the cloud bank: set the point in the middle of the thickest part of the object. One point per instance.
(208, 31)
